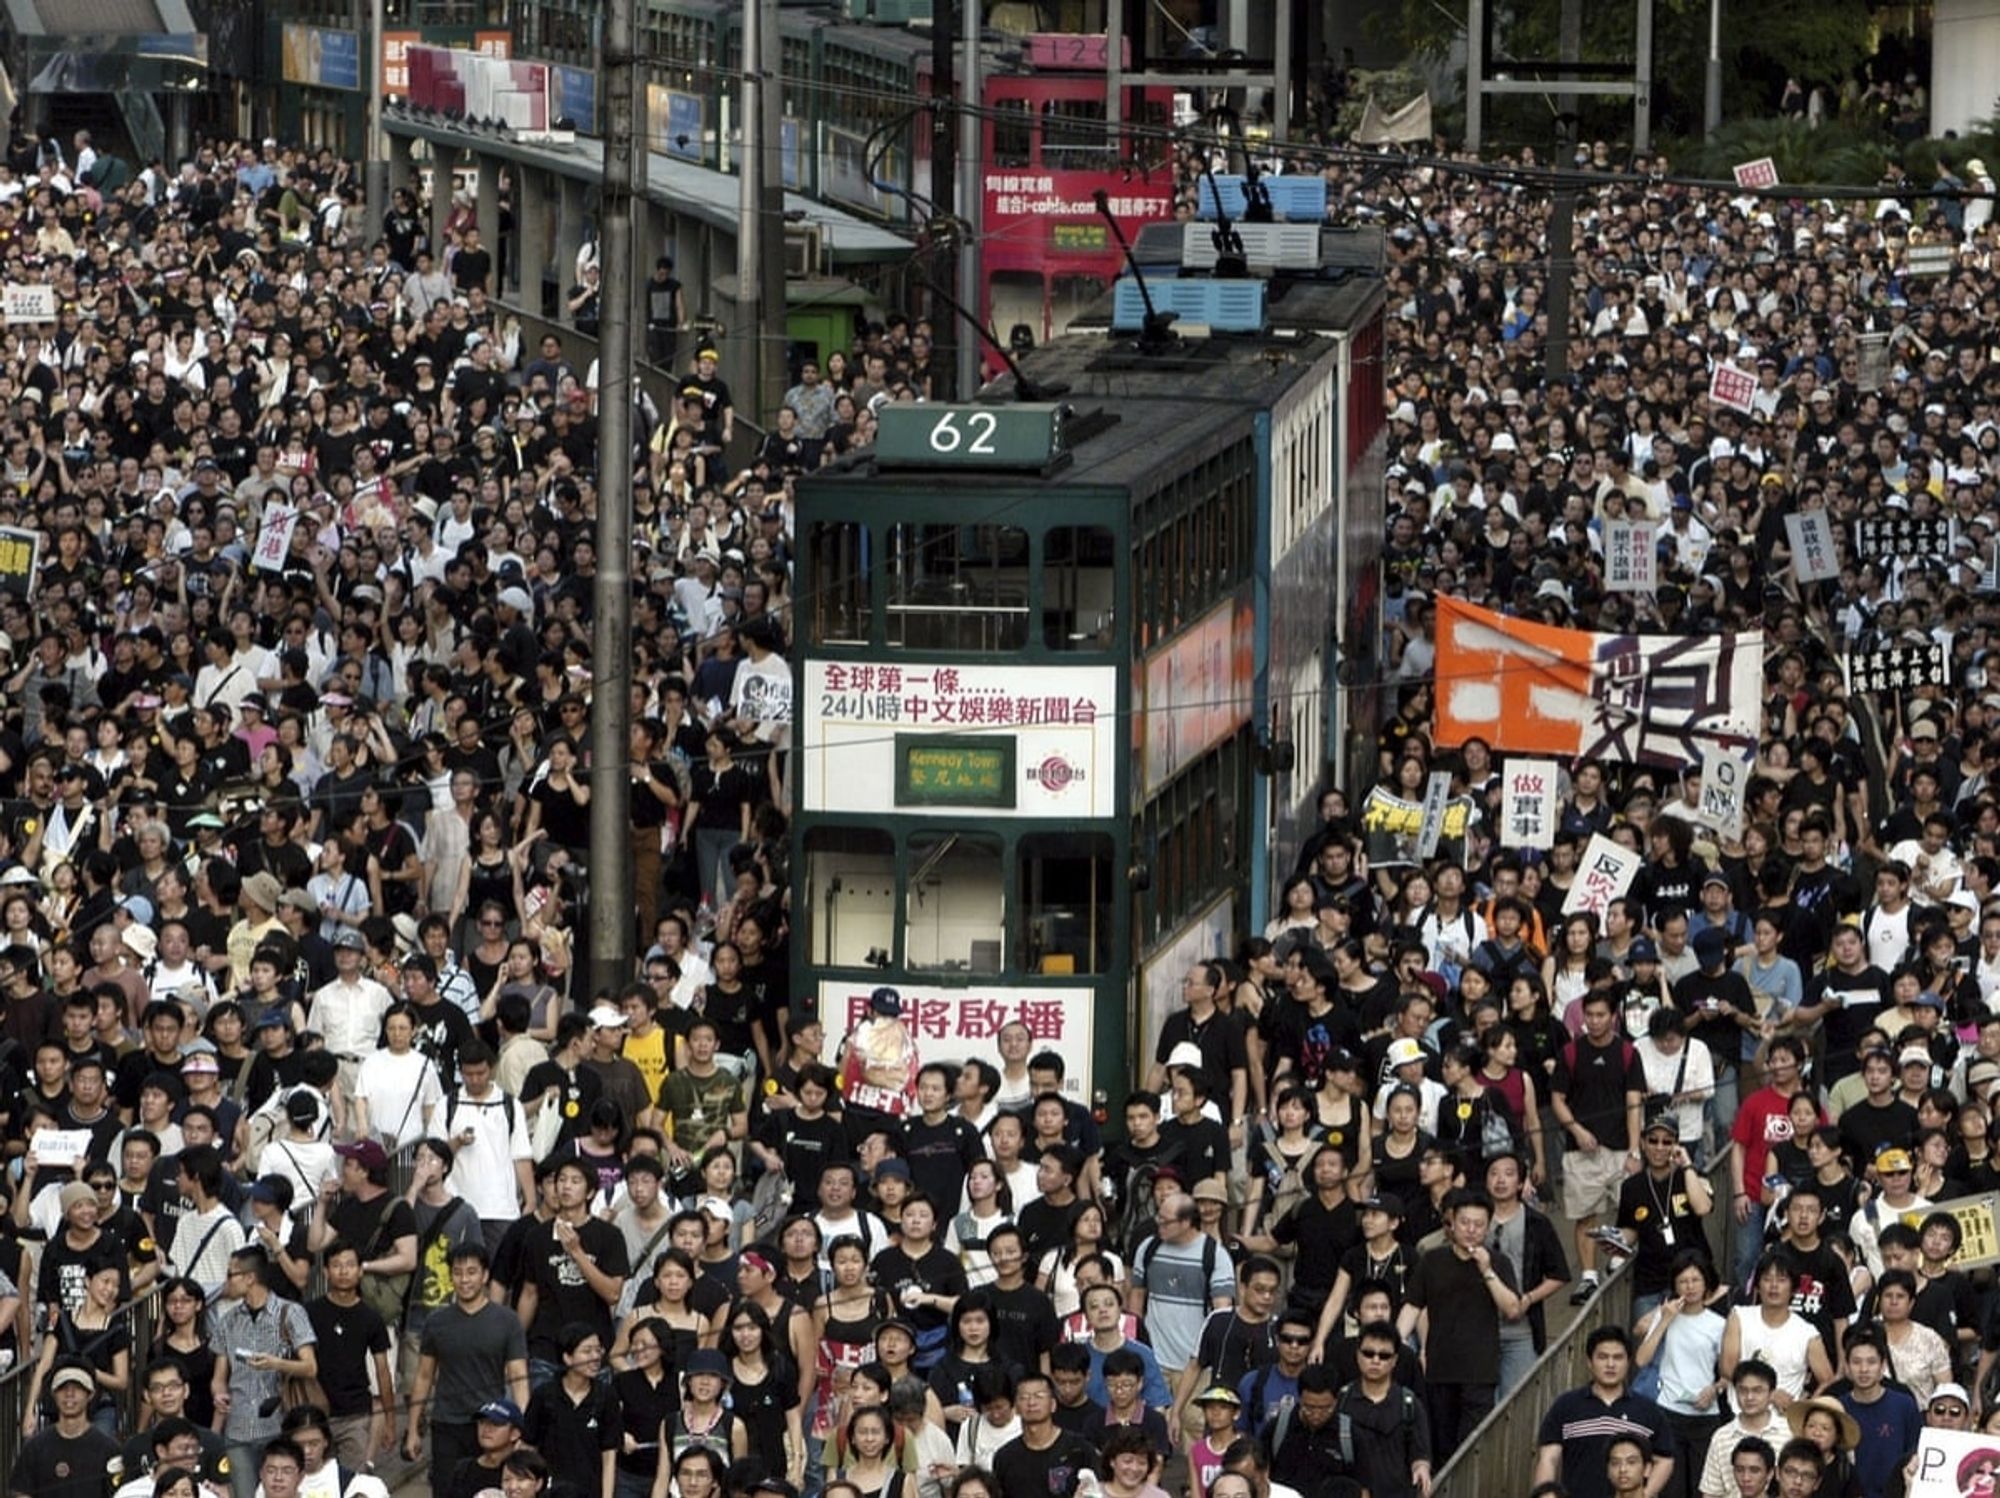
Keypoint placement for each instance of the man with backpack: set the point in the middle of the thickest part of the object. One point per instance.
(1304, 1440)
(489, 1133)
(1236, 1340)
(1598, 1094)
(1385, 1436)
(380, 1225)
(1178, 1277)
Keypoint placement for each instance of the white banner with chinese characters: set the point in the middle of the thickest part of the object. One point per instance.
(1725, 789)
(28, 304)
(1811, 538)
(961, 1024)
(1528, 804)
(274, 538)
(1955, 1464)
(1631, 556)
(1763, 172)
(1060, 724)
(1603, 874)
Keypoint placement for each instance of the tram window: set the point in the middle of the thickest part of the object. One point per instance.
(1069, 297)
(955, 914)
(839, 565)
(1012, 133)
(1079, 588)
(1066, 902)
(851, 894)
(958, 587)
(1074, 138)
(1016, 298)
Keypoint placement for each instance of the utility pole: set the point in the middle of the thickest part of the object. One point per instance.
(611, 897)
(774, 370)
(1562, 253)
(1711, 94)
(945, 339)
(971, 195)
(375, 160)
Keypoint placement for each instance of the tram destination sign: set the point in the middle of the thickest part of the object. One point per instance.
(1023, 435)
(934, 770)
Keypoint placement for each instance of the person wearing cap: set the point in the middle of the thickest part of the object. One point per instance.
(69, 1457)
(357, 1207)
(348, 1011)
(497, 1433)
(1896, 1199)
(258, 902)
(1218, 1408)
(1660, 1210)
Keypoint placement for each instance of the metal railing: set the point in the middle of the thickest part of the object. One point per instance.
(1499, 1455)
(144, 1313)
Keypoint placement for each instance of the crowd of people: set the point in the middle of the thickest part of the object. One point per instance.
(298, 1053)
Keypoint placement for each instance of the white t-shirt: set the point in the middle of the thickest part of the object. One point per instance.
(1786, 1347)
(307, 1164)
(484, 1171)
(397, 1090)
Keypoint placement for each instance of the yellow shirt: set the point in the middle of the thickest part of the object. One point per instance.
(649, 1054)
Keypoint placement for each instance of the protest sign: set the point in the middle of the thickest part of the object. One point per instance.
(1894, 667)
(1811, 539)
(1725, 785)
(1631, 556)
(19, 304)
(1955, 1463)
(1879, 536)
(20, 560)
(1437, 791)
(1763, 172)
(1603, 874)
(274, 538)
(1732, 387)
(1528, 803)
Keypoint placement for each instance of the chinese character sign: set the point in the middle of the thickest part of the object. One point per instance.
(1811, 538)
(274, 538)
(25, 304)
(1902, 536)
(1732, 387)
(1063, 723)
(1533, 689)
(1894, 668)
(1725, 785)
(20, 561)
(1394, 828)
(1763, 172)
(963, 1024)
(1603, 874)
(1528, 804)
(1437, 790)
(1631, 556)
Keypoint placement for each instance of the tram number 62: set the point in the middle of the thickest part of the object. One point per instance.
(952, 432)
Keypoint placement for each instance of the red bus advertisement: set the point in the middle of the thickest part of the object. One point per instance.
(1046, 252)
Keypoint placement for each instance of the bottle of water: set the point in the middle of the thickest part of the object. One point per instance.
(1087, 1485)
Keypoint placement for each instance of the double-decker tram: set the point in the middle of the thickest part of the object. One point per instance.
(1067, 665)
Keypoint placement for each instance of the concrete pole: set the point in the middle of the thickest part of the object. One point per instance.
(611, 897)
(750, 225)
(773, 305)
(375, 160)
(971, 199)
(948, 341)
(1711, 102)
(1475, 73)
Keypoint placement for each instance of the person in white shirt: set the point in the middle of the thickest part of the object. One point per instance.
(348, 1011)
(494, 1170)
(1678, 1067)
(398, 1089)
(298, 1153)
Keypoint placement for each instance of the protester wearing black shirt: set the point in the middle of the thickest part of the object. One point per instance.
(574, 1268)
(1045, 1460)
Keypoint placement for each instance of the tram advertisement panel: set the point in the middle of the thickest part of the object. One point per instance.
(958, 1024)
(929, 739)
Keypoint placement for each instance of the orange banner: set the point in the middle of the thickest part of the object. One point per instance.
(1531, 689)
(1520, 686)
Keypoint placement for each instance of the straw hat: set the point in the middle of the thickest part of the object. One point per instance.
(1850, 1429)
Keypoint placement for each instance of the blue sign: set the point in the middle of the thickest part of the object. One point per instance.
(684, 120)
(339, 59)
(576, 97)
